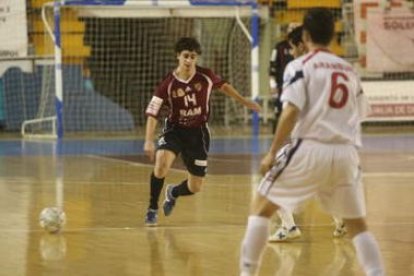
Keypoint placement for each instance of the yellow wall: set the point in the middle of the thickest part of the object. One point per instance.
(72, 31)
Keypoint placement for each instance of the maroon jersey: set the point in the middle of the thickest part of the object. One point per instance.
(188, 100)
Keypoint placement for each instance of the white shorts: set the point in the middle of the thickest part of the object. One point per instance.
(305, 169)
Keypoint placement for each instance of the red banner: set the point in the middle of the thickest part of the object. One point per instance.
(390, 100)
(392, 110)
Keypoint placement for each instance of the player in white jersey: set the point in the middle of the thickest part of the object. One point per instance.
(323, 107)
(288, 229)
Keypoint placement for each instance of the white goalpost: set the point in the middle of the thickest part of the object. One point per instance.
(110, 55)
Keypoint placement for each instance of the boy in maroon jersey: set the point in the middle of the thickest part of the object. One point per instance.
(186, 91)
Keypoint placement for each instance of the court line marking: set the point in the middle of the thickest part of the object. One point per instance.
(93, 182)
(187, 226)
(389, 174)
(134, 163)
(131, 163)
(52, 181)
(140, 164)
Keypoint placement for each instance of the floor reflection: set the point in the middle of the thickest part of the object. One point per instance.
(52, 247)
(172, 251)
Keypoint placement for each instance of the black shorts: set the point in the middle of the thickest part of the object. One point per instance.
(192, 143)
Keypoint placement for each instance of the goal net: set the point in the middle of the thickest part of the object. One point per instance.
(114, 56)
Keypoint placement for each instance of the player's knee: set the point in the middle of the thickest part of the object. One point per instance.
(263, 207)
(161, 170)
(159, 173)
(195, 189)
(355, 226)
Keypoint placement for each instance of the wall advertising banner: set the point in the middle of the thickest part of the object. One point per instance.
(390, 40)
(13, 29)
(390, 100)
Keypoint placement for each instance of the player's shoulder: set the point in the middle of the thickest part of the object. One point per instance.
(324, 59)
(168, 78)
(332, 56)
(296, 64)
(334, 62)
(204, 70)
(293, 71)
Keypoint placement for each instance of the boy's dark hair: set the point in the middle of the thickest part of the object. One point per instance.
(295, 36)
(189, 44)
(320, 24)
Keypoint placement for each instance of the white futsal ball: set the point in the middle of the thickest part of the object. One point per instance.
(52, 219)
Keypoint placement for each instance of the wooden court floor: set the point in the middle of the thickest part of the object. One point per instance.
(105, 198)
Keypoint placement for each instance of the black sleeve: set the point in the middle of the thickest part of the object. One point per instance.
(278, 65)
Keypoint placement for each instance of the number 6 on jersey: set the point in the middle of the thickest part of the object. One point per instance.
(339, 90)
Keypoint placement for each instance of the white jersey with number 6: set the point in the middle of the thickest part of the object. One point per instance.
(328, 93)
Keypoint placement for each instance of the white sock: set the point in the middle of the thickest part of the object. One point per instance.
(287, 218)
(254, 241)
(338, 222)
(368, 254)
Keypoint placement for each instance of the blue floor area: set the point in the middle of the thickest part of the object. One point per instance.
(246, 145)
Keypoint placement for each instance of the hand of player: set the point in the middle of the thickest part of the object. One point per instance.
(253, 106)
(266, 163)
(149, 150)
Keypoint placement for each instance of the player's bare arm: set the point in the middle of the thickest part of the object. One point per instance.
(149, 147)
(287, 122)
(230, 91)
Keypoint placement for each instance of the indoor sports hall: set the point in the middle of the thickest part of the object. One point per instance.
(72, 117)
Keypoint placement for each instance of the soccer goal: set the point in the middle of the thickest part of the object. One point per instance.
(110, 55)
